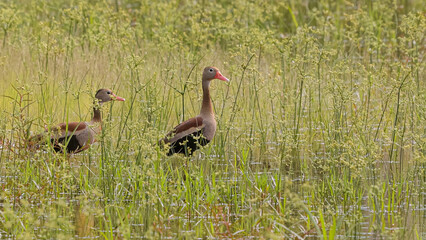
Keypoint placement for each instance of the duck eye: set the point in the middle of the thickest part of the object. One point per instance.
(211, 69)
(108, 92)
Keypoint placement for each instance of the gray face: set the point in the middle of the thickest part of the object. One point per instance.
(209, 73)
(104, 95)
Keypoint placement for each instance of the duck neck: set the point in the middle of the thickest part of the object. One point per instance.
(97, 116)
(206, 107)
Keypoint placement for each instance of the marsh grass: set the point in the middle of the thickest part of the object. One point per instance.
(320, 132)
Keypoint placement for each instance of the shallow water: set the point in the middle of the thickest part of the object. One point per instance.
(186, 220)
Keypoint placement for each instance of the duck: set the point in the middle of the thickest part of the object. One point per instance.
(198, 131)
(74, 137)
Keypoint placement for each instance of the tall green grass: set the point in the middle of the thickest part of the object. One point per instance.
(320, 131)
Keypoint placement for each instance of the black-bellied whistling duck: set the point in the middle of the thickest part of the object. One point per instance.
(78, 136)
(198, 131)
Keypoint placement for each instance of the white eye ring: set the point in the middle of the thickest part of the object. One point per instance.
(211, 69)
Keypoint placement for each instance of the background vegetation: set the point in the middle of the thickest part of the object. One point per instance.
(321, 131)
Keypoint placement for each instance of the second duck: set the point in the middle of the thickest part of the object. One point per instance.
(188, 136)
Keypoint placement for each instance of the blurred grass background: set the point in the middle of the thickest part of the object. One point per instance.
(321, 131)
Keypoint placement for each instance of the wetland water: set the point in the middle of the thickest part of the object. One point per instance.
(320, 131)
(250, 189)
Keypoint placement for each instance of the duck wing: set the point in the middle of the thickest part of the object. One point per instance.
(186, 128)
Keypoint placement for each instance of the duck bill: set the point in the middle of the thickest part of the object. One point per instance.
(117, 98)
(221, 77)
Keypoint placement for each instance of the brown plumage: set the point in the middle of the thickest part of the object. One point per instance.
(78, 136)
(198, 131)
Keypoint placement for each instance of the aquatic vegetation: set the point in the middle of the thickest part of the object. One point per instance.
(320, 132)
